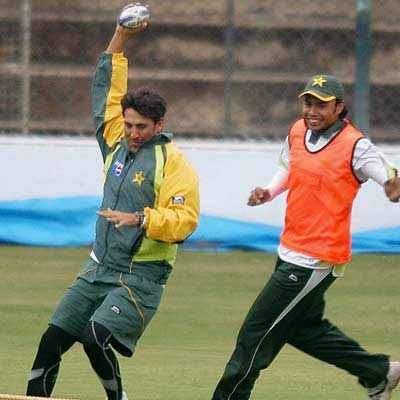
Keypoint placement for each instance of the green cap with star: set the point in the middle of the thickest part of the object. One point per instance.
(324, 87)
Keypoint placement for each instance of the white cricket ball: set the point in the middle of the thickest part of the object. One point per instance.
(133, 16)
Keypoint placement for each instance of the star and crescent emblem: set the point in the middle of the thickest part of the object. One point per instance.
(138, 178)
(319, 81)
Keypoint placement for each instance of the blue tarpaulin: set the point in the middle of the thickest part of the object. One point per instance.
(57, 222)
(70, 222)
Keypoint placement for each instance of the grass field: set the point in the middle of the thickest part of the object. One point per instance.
(184, 351)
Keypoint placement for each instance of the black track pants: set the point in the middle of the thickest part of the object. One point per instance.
(290, 310)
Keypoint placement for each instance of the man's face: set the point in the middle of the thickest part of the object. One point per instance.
(139, 129)
(320, 115)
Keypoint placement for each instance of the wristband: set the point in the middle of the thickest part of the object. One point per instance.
(141, 218)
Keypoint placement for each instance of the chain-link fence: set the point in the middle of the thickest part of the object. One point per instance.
(228, 68)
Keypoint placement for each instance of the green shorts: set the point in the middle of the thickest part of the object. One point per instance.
(123, 302)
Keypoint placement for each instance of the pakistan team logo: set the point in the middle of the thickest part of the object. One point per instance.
(138, 178)
(118, 167)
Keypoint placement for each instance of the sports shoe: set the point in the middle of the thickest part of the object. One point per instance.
(124, 396)
(383, 391)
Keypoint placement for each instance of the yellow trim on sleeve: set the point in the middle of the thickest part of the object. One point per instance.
(159, 172)
(113, 118)
(173, 221)
(108, 160)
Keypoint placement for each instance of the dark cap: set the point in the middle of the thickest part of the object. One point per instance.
(324, 87)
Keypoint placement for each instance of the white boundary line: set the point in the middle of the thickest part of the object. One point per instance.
(196, 144)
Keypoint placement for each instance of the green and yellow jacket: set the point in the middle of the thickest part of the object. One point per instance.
(157, 179)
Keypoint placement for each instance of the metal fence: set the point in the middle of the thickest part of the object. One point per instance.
(228, 68)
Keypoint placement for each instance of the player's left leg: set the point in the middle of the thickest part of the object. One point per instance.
(96, 342)
(119, 322)
(319, 338)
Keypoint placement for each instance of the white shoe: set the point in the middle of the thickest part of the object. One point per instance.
(124, 396)
(384, 390)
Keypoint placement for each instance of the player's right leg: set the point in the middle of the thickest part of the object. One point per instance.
(268, 325)
(66, 327)
(54, 343)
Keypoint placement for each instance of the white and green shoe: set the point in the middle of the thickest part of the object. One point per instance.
(383, 390)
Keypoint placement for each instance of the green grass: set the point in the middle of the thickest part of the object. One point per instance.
(185, 348)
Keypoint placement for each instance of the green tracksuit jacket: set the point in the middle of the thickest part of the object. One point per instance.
(157, 179)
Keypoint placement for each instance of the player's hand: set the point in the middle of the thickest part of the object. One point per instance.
(120, 30)
(259, 196)
(119, 218)
(134, 18)
(392, 189)
(121, 37)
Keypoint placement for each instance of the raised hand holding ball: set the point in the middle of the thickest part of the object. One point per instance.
(134, 16)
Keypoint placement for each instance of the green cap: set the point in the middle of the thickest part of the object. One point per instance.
(324, 87)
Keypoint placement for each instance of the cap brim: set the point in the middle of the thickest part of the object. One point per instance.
(317, 95)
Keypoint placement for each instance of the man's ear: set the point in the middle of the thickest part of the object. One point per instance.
(160, 125)
(340, 107)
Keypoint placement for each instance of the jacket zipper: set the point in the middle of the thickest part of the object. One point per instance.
(126, 168)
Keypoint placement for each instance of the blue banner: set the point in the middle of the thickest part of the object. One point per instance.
(70, 222)
(57, 222)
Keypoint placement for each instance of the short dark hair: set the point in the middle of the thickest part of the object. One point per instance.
(146, 101)
(344, 112)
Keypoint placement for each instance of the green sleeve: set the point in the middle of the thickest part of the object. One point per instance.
(108, 87)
